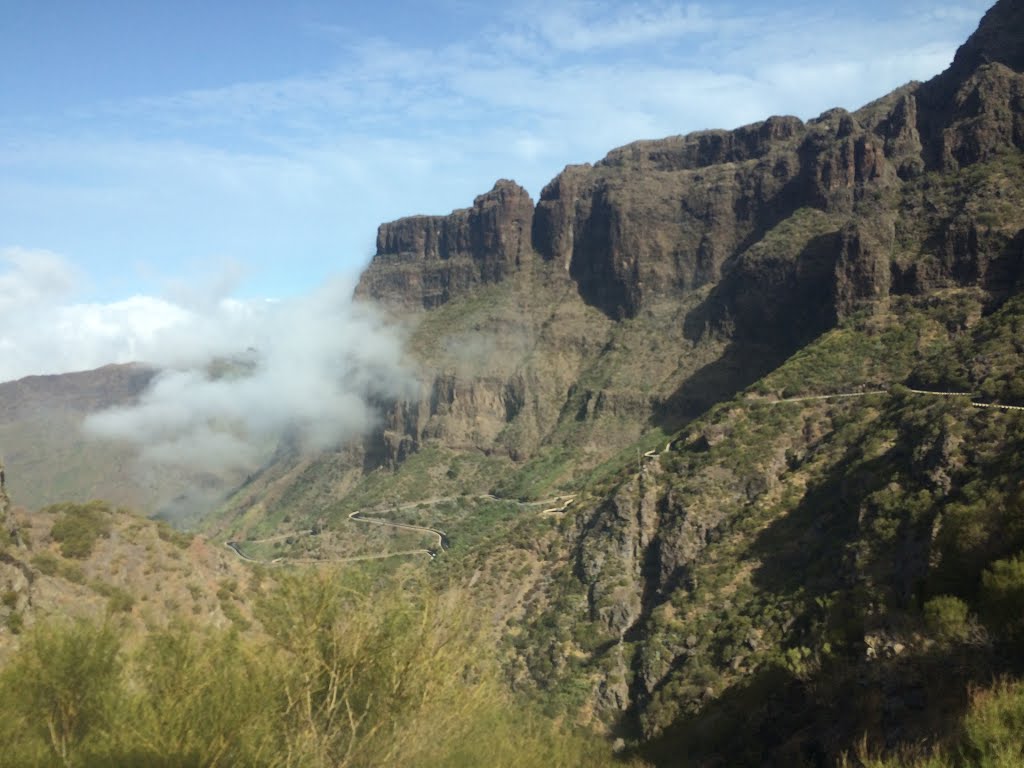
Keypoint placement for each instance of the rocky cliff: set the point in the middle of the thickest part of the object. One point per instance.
(729, 244)
(426, 260)
(674, 273)
(707, 339)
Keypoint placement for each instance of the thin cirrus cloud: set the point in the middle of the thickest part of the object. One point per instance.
(574, 29)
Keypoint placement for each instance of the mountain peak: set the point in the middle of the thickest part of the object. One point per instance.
(998, 39)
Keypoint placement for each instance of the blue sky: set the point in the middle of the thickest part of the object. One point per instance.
(177, 152)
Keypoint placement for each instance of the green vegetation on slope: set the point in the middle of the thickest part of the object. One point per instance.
(78, 526)
(805, 569)
(345, 675)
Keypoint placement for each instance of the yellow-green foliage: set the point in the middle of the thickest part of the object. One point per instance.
(345, 676)
(991, 736)
(1003, 596)
(78, 526)
(58, 696)
(946, 616)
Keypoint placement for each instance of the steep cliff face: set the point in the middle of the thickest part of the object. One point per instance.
(658, 219)
(704, 250)
(641, 289)
(426, 260)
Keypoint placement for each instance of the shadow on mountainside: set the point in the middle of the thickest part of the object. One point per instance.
(739, 366)
(776, 718)
(769, 307)
(845, 581)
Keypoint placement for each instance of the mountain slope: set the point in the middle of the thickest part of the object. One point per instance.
(802, 568)
(768, 380)
(555, 339)
(49, 458)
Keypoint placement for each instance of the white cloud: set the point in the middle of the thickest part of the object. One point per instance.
(236, 375)
(31, 278)
(240, 376)
(40, 333)
(580, 27)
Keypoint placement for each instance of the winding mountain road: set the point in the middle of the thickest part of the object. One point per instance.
(562, 502)
(442, 537)
(357, 517)
(565, 502)
(929, 392)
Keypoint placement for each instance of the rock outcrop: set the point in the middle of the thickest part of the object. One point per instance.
(760, 237)
(423, 261)
(659, 219)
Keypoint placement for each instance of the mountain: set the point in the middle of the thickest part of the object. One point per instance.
(721, 436)
(557, 337)
(49, 459)
(659, 334)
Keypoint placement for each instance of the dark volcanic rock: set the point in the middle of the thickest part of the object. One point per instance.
(764, 236)
(997, 40)
(657, 220)
(425, 260)
(661, 218)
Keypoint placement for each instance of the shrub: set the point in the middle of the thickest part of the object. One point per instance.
(946, 618)
(79, 526)
(347, 675)
(15, 622)
(179, 539)
(993, 727)
(46, 563)
(61, 688)
(118, 600)
(1002, 596)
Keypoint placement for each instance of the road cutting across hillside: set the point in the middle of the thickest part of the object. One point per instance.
(442, 537)
(443, 542)
(930, 392)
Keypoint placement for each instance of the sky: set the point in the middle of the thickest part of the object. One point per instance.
(187, 180)
(257, 145)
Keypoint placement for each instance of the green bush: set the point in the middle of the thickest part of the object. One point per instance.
(947, 619)
(1002, 596)
(59, 691)
(46, 563)
(118, 600)
(179, 539)
(994, 727)
(345, 676)
(15, 622)
(78, 526)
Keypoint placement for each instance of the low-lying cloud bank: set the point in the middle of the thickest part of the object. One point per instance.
(242, 376)
(235, 376)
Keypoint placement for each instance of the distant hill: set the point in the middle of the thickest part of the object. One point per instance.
(49, 459)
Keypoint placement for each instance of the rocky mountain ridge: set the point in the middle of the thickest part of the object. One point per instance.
(767, 548)
(732, 244)
(807, 540)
